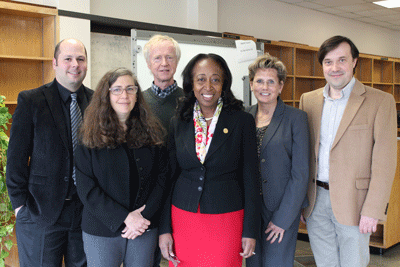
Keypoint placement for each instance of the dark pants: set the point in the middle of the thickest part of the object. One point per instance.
(275, 254)
(157, 256)
(45, 246)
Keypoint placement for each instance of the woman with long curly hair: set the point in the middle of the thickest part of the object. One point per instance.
(120, 174)
(212, 218)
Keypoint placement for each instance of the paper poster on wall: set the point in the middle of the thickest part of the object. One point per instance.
(246, 50)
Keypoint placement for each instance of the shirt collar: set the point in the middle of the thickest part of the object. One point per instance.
(65, 94)
(165, 92)
(345, 92)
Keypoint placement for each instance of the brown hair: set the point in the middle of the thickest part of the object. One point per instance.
(101, 126)
(332, 43)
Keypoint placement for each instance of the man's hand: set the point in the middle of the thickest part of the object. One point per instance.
(302, 219)
(368, 224)
(275, 232)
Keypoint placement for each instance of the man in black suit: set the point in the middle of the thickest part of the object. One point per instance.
(40, 164)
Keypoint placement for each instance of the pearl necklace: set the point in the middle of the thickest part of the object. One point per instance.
(208, 119)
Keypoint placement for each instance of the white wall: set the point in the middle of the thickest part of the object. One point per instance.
(280, 21)
(164, 12)
(265, 19)
(77, 28)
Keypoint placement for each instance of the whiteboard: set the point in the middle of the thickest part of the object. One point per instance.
(111, 51)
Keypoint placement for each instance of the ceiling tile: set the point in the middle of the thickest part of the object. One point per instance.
(310, 5)
(348, 15)
(381, 23)
(395, 22)
(360, 10)
(291, 1)
(331, 10)
(386, 11)
(388, 18)
(367, 20)
(337, 2)
(394, 27)
(367, 13)
(356, 8)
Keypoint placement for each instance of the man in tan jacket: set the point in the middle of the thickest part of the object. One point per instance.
(353, 131)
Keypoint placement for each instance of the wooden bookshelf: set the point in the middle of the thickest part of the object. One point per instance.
(29, 34)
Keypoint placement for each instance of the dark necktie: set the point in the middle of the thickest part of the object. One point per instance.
(76, 120)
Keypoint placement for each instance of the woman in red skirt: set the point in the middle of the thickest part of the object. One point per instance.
(212, 215)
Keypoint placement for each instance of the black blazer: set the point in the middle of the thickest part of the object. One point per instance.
(38, 158)
(284, 163)
(228, 179)
(103, 185)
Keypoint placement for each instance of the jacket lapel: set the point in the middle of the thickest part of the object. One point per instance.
(188, 137)
(353, 105)
(317, 103)
(225, 126)
(274, 124)
(53, 100)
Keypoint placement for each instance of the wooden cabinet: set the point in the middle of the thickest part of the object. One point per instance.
(305, 74)
(28, 36)
(388, 232)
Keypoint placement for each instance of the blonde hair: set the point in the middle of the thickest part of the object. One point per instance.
(157, 39)
(267, 61)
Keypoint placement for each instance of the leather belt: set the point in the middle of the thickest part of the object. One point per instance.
(323, 184)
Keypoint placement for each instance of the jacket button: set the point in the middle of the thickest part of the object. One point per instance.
(66, 179)
(202, 168)
(263, 160)
(201, 178)
(200, 188)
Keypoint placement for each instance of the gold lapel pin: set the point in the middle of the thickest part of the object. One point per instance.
(225, 130)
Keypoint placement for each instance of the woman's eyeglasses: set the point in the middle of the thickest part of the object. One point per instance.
(131, 90)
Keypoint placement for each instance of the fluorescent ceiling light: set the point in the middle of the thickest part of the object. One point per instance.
(388, 3)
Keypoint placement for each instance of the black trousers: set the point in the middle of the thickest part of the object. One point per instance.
(45, 246)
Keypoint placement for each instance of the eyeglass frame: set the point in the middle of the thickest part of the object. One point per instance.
(112, 90)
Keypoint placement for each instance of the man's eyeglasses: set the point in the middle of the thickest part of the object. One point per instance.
(131, 90)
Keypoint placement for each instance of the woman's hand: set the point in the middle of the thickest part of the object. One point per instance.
(166, 243)
(275, 232)
(136, 225)
(248, 245)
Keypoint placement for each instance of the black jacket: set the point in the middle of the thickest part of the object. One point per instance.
(39, 165)
(103, 185)
(228, 179)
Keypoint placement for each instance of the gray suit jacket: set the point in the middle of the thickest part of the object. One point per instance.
(284, 163)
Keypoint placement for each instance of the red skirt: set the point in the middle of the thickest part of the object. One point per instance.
(207, 239)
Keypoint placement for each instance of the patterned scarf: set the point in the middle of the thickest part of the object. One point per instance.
(202, 137)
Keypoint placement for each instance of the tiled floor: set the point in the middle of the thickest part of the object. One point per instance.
(304, 257)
